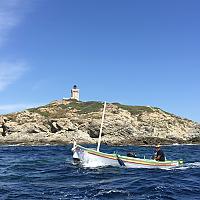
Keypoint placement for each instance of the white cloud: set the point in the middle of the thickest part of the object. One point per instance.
(9, 17)
(4, 109)
(10, 72)
(11, 13)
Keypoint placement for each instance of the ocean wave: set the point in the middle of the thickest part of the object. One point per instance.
(187, 166)
(48, 173)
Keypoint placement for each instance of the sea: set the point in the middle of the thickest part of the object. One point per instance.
(48, 172)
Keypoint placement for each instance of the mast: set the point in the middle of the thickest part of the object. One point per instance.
(103, 115)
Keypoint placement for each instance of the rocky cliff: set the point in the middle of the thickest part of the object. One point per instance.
(62, 121)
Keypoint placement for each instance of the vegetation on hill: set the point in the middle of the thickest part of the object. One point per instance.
(59, 110)
(135, 110)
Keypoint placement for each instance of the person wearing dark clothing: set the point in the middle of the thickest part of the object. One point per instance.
(159, 156)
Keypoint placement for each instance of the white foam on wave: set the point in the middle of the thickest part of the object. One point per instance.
(92, 164)
(193, 165)
(189, 166)
(105, 192)
(176, 144)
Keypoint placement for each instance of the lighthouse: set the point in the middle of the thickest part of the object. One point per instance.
(75, 93)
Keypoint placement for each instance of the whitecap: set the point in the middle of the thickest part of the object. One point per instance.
(189, 166)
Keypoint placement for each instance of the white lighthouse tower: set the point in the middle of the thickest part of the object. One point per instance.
(75, 93)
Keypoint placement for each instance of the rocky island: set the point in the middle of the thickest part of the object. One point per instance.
(62, 121)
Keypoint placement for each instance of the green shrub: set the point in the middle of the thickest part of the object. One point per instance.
(135, 110)
(83, 107)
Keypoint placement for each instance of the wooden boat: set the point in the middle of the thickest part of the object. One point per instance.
(94, 158)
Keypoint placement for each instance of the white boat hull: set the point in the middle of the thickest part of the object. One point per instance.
(92, 158)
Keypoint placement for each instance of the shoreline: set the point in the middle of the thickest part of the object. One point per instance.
(65, 144)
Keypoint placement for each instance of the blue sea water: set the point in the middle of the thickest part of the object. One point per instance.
(47, 172)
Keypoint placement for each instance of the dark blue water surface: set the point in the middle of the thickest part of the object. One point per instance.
(47, 172)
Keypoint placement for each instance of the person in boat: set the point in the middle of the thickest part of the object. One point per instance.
(159, 155)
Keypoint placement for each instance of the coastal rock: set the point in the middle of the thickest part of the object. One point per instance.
(93, 128)
(63, 121)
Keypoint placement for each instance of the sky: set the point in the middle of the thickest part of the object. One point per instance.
(135, 52)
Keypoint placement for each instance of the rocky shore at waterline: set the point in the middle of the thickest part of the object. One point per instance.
(63, 121)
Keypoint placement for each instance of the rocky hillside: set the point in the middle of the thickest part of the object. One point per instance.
(61, 122)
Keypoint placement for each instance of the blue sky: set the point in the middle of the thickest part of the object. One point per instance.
(135, 52)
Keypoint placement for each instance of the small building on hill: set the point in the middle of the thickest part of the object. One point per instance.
(75, 93)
